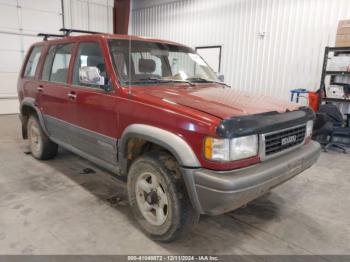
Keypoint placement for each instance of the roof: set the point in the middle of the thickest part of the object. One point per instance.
(108, 36)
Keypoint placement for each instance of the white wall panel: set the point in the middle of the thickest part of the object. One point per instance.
(9, 17)
(8, 81)
(79, 21)
(9, 2)
(13, 59)
(32, 21)
(41, 5)
(8, 106)
(268, 46)
(10, 42)
(21, 20)
(94, 15)
(99, 14)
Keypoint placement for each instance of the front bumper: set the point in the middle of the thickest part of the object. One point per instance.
(213, 192)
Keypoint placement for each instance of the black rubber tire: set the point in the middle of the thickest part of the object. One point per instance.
(47, 149)
(181, 216)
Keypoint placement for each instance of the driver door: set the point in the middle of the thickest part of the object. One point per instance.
(95, 110)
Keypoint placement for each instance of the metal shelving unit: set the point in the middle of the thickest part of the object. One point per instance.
(333, 74)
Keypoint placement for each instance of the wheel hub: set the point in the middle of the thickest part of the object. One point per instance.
(152, 197)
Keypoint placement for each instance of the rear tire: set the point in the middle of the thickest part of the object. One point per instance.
(158, 197)
(41, 146)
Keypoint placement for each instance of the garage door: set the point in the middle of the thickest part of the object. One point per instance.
(20, 21)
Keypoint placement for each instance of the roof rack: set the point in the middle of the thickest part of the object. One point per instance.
(68, 31)
(46, 36)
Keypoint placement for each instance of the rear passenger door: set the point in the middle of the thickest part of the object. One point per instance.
(56, 96)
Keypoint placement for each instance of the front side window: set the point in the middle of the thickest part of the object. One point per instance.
(89, 55)
(32, 62)
(56, 64)
(141, 62)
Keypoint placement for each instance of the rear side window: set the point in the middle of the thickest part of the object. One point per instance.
(32, 63)
(57, 63)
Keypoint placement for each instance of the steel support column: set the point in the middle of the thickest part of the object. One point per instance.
(121, 13)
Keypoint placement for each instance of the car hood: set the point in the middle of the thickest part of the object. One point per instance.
(221, 102)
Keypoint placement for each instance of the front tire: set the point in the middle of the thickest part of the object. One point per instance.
(158, 197)
(41, 146)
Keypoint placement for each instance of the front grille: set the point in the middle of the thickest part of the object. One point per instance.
(282, 140)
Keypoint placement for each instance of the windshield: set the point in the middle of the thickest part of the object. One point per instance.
(151, 62)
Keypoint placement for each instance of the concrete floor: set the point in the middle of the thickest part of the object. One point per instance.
(51, 208)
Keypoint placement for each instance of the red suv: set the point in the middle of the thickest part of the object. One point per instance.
(154, 111)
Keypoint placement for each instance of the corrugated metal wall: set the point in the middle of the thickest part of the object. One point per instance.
(269, 46)
(94, 15)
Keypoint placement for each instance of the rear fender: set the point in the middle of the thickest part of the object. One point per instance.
(30, 102)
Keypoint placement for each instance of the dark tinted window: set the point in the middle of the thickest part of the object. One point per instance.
(89, 54)
(57, 63)
(32, 62)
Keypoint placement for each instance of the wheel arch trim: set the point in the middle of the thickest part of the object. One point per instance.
(30, 102)
(168, 140)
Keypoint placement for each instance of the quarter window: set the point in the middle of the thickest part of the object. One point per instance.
(57, 63)
(32, 62)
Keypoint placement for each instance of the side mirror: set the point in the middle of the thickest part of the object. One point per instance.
(90, 75)
(221, 77)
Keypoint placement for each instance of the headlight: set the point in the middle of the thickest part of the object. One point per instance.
(230, 150)
(244, 147)
(217, 149)
(309, 127)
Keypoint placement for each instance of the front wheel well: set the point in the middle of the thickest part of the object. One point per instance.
(136, 147)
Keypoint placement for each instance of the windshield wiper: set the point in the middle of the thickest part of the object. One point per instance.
(159, 80)
(203, 80)
(180, 81)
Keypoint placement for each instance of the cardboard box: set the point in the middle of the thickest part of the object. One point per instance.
(343, 27)
(343, 34)
(342, 40)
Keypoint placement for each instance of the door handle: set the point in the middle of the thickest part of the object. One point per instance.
(72, 95)
(40, 88)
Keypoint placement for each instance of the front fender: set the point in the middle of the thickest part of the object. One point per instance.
(168, 140)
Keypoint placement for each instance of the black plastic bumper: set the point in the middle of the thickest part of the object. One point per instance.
(213, 192)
